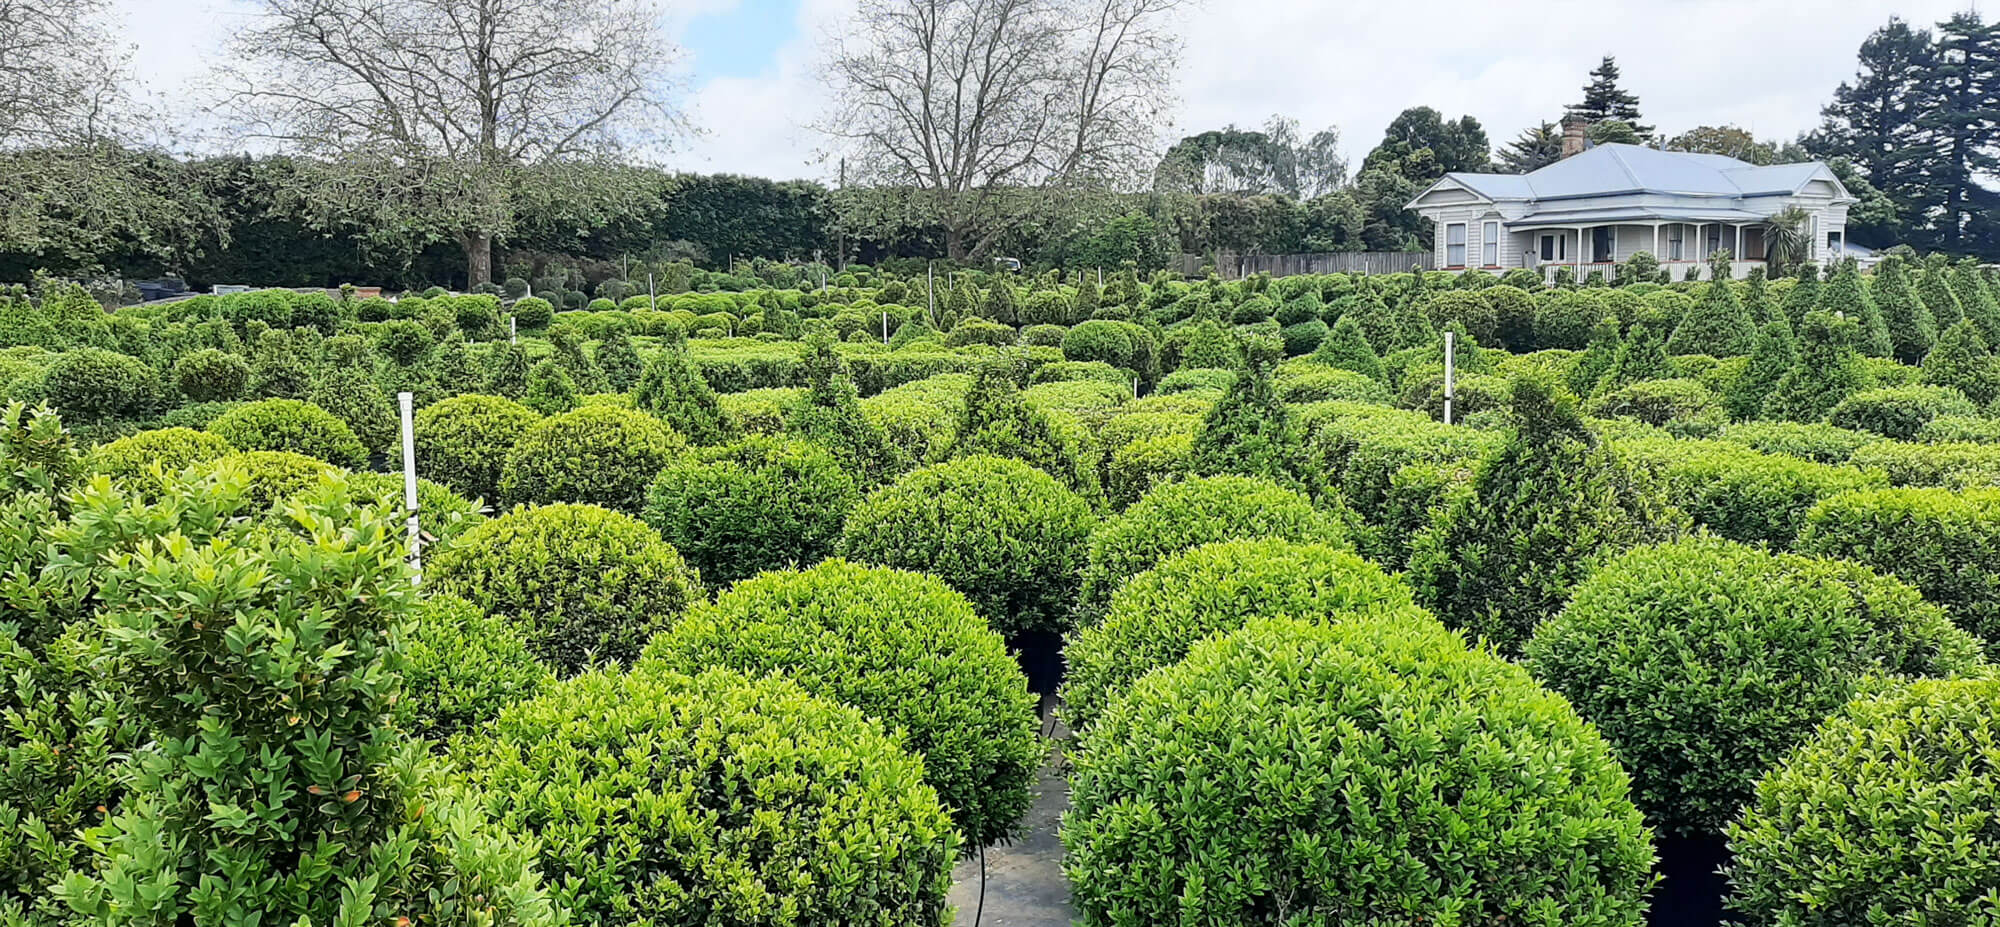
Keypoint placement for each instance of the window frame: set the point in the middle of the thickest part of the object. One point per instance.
(1464, 233)
(1489, 242)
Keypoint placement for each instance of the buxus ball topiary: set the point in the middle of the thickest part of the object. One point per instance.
(1359, 772)
(461, 667)
(270, 476)
(1705, 661)
(585, 584)
(94, 386)
(663, 799)
(1883, 817)
(463, 441)
(759, 504)
(1005, 534)
(132, 460)
(600, 455)
(906, 650)
(209, 375)
(290, 425)
(1176, 516)
(1898, 412)
(1944, 542)
(533, 313)
(1215, 589)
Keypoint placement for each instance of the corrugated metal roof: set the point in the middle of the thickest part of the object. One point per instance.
(1607, 214)
(1608, 170)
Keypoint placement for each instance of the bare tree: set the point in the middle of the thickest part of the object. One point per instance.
(435, 114)
(62, 75)
(965, 104)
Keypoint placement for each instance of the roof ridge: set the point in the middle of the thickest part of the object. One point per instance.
(1614, 150)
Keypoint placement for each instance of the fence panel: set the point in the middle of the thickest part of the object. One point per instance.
(1235, 266)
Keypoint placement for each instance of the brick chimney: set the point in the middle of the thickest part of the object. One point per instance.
(1573, 135)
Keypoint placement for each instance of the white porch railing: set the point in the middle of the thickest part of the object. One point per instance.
(1676, 269)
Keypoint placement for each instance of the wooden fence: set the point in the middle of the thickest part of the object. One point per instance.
(1234, 266)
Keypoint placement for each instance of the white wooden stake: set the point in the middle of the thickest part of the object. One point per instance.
(1450, 372)
(652, 298)
(930, 294)
(513, 334)
(408, 404)
(885, 326)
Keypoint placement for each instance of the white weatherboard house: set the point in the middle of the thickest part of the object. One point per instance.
(1597, 207)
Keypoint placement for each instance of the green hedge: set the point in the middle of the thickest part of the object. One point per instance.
(1005, 534)
(1364, 772)
(1214, 589)
(663, 799)
(1942, 464)
(1704, 662)
(209, 375)
(1898, 412)
(585, 584)
(759, 504)
(291, 425)
(597, 455)
(1139, 465)
(1944, 542)
(904, 649)
(1741, 494)
(1884, 817)
(1817, 443)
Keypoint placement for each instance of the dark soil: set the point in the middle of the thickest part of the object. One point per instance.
(1691, 887)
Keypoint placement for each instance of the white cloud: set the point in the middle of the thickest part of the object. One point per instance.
(759, 125)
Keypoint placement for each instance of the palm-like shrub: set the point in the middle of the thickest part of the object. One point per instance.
(597, 455)
(292, 426)
(1005, 534)
(756, 505)
(1704, 662)
(903, 648)
(583, 584)
(1291, 771)
(463, 441)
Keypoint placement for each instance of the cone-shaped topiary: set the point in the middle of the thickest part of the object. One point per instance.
(1911, 327)
(1719, 326)
(1347, 348)
(1249, 431)
(829, 414)
(619, 360)
(1002, 304)
(1844, 296)
(1933, 285)
(674, 390)
(1772, 355)
(1828, 371)
(1803, 297)
(1757, 297)
(581, 369)
(997, 422)
(1537, 516)
(507, 371)
(1976, 299)
(1961, 360)
(550, 389)
(1376, 321)
(1596, 361)
(1642, 355)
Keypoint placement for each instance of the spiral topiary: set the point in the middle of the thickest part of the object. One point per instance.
(907, 651)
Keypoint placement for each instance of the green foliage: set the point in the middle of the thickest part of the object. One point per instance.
(1100, 340)
(1005, 534)
(1912, 328)
(1250, 432)
(1803, 297)
(674, 390)
(404, 342)
(1828, 371)
(1640, 356)
(1975, 299)
(269, 477)
(1898, 412)
(507, 371)
(1704, 662)
(998, 421)
(1566, 319)
(1961, 360)
(1347, 348)
(904, 649)
(1880, 818)
(462, 667)
(96, 386)
(1288, 772)
(463, 441)
(1471, 311)
(290, 425)
(1844, 297)
(1772, 355)
(619, 361)
(209, 375)
(550, 389)
(830, 415)
(130, 461)
(756, 505)
(1658, 402)
(1203, 590)
(532, 314)
(582, 583)
(1537, 516)
(1138, 466)
(277, 369)
(1944, 542)
(1741, 494)
(1181, 515)
(355, 399)
(596, 455)
(1206, 345)
(1303, 384)
(1953, 464)
(659, 798)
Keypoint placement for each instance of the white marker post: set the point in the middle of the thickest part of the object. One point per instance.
(1450, 372)
(885, 326)
(652, 298)
(930, 294)
(513, 334)
(410, 481)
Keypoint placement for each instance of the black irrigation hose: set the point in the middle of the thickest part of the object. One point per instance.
(980, 911)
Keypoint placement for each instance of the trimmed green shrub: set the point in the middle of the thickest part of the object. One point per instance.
(829, 414)
(95, 386)
(1005, 534)
(1846, 297)
(1347, 348)
(462, 666)
(1718, 326)
(1198, 380)
(1961, 360)
(269, 477)
(1566, 318)
(1538, 514)
(130, 460)
(1704, 662)
(998, 421)
(1898, 412)
(1944, 542)
(1466, 308)
(1249, 431)
(463, 441)
(404, 342)
(674, 390)
(904, 649)
(756, 505)
(1883, 817)
(1828, 371)
(444, 514)
(1212, 589)
(1959, 428)
(1658, 402)
(507, 371)
(293, 426)
(532, 313)
(1912, 327)
(1293, 772)
(1143, 463)
(659, 798)
(354, 398)
(597, 455)
(1298, 385)
(1181, 515)
(1817, 443)
(209, 375)
(1772, 355)
(1744, 495)
(1941, 464)
(584, 584)
(550, 390)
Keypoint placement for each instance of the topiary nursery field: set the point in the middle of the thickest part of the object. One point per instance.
(758, 606)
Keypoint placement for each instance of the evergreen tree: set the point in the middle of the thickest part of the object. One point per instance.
(1756, 296)
(1412, 328)
(507, 374)
(1718, 326)
(619, 361)
(1772, 355)
(1603, 99)
(1641, 356)
(1958, 132)
(1872, 119)
(278, 371)
(1596, 360)
(1934, 288)
(1537, 147)
(1911, 328)
(830, 415)
(1803, 297)
(1249, 432)
(1976, 299)
(1962, 361)
(1376, 321)
(998, 422)
(1347, 348)
(1845, 297)
(353, 397)
(962, 303)
(1001, 304)
(1828, 371)
(1539, 514)
(451, 371)
(550, 391)
(912, 329)
(672, 389)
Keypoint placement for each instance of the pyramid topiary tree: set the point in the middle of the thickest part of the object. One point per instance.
(1347, 348)
(1719, 326)
(1976, 299)
(1828, 371)
(507, 371)
(581, 369)
(1249, 432)
(1376, 321)
(1911, 327)
(1002, 305)
(674, 390)
(1596, 360)
(619, 361)
(830, 415)
(1536, 517)
(1757, 296)
(1962, 361)
(1845, 297)
(1641, 356)
(1772, 355)
(551, 391)
(1803, 297)
(998, 422)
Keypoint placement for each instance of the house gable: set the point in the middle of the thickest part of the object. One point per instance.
(1447, 191)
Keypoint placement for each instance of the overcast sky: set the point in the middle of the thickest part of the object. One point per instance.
(1767, 66)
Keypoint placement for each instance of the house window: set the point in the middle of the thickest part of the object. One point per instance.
(1555, 248)
(1603, 242)
(1675, 235)
(1714, 239)
(1489, 243)
(1454, 245)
